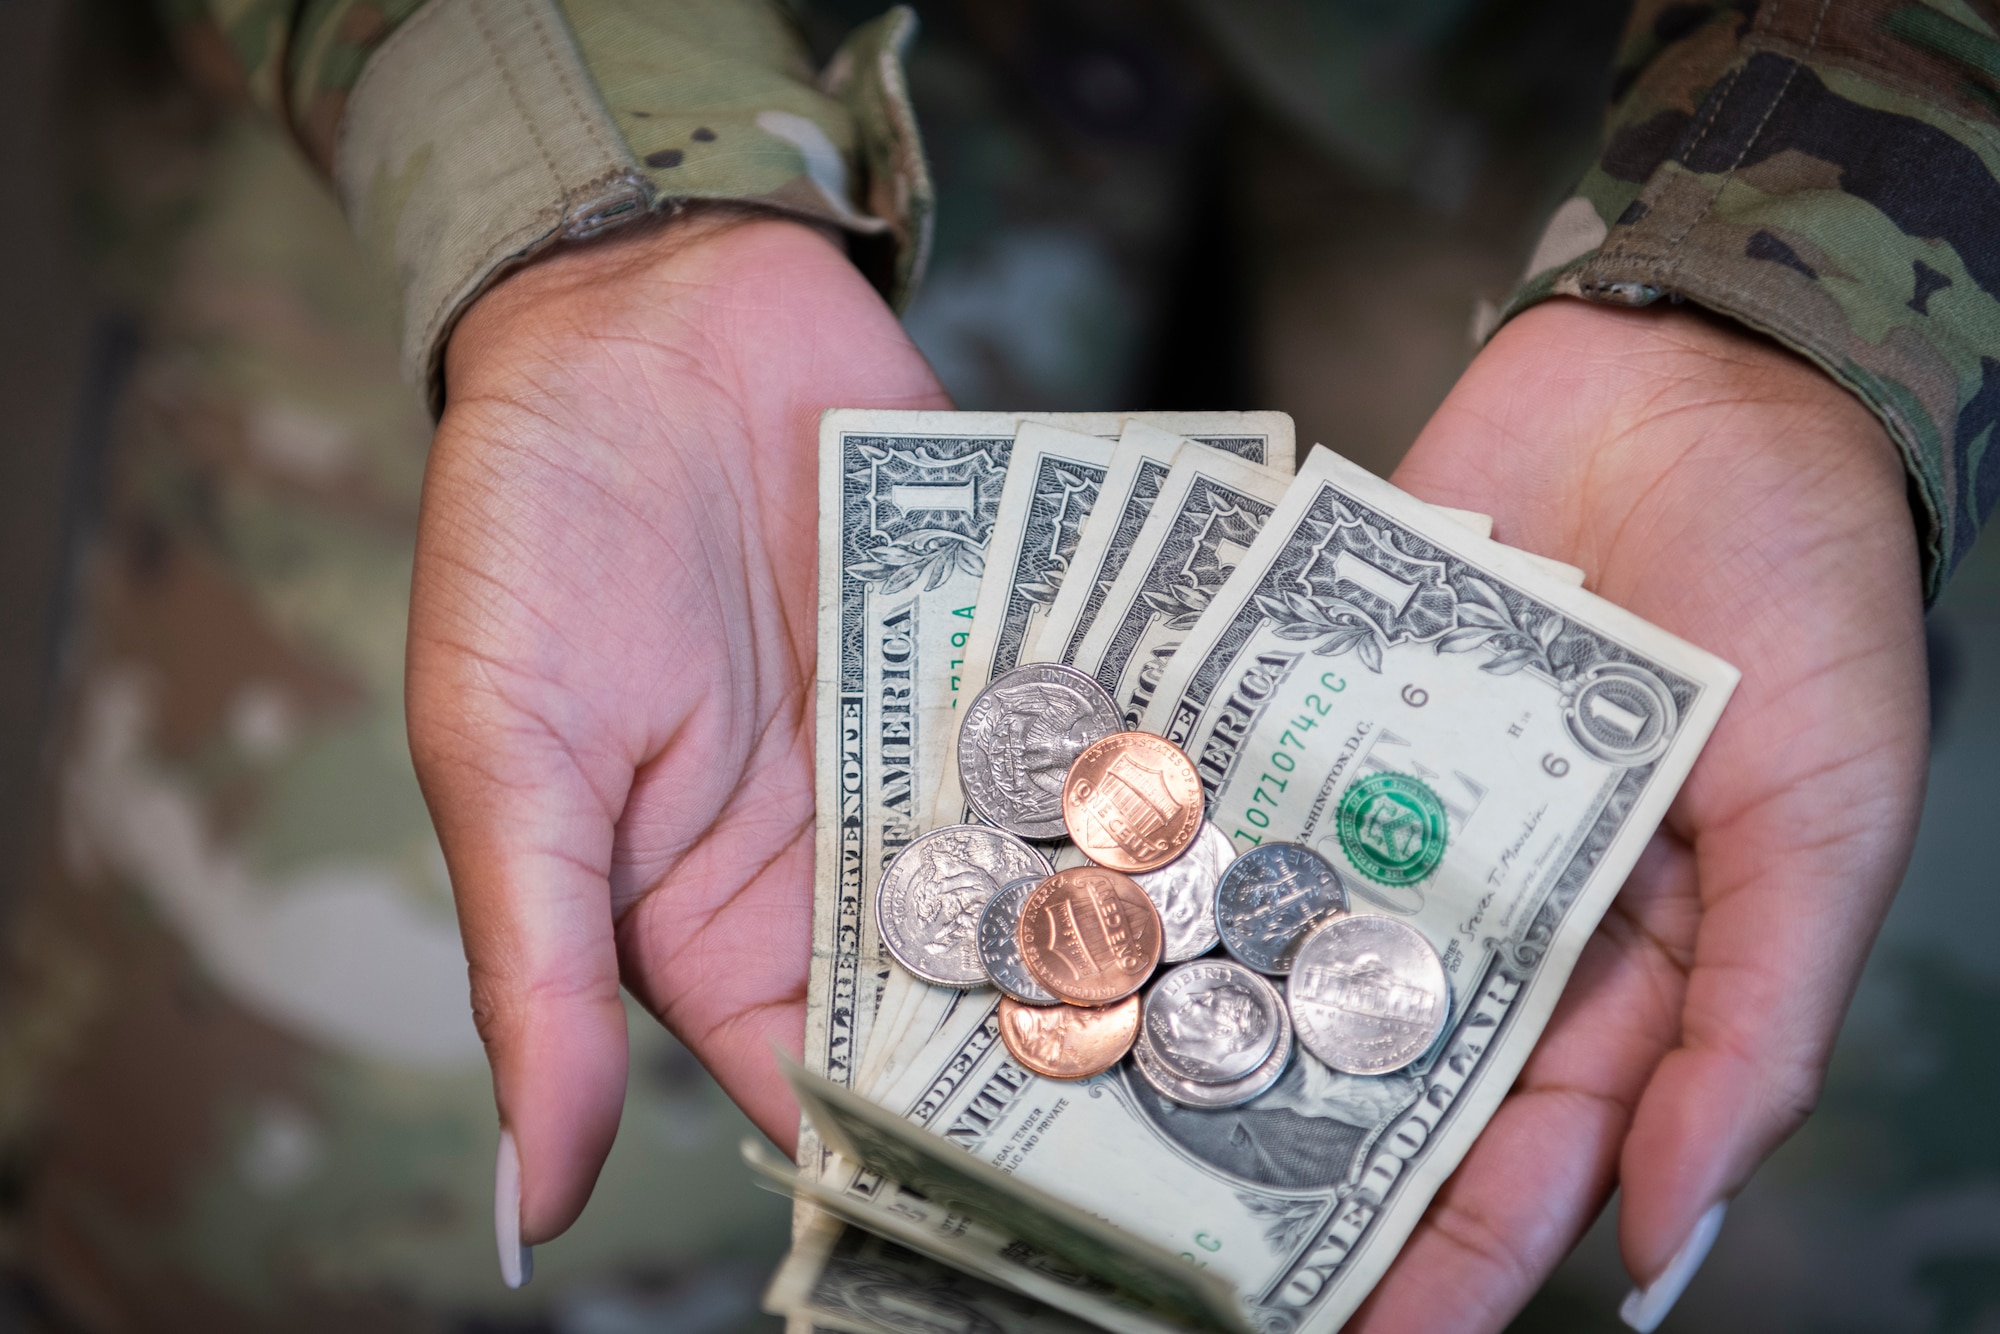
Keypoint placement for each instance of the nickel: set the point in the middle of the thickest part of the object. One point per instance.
(1368, 994)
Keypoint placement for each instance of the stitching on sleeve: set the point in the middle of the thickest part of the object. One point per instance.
(559, 68)
(1674, 259)
(513, 90)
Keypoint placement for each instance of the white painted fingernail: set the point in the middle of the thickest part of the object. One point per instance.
(517, 1262)
(1646, 1307)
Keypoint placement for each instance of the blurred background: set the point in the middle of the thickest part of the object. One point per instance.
(239, 1089)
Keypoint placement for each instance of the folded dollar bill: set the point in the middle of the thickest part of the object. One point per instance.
(1476, 744)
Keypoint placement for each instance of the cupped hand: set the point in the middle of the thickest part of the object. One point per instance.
(612, 632)
(1730, 492)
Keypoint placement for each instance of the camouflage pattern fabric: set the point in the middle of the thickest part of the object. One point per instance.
(240, 1088)
(468, 135)
(1828, 172)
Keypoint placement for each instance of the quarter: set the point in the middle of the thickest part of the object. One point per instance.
(928, 904)
(1000, 944)
(1212, 1021)
(1269, 901)
(1184, 892)
(1020, 736)
(1368, 994)
(1189, 1093)
(1089, 935)
(1132, 801)
(1068, 1041)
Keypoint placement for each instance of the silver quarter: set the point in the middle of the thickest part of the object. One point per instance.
(1269, 901)
(1189, 1093)
(1368, 994)
(1018, 739)
(1212, 1021)
(928, 904)
(1000, 944)
(1184, 892)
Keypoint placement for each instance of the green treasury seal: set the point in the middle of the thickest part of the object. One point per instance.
(1392, 828)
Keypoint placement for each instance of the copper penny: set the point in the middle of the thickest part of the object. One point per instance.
(1090, 936)
(1068, 1041)
(1132, 802)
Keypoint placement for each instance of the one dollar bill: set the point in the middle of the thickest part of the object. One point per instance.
(1477, 749)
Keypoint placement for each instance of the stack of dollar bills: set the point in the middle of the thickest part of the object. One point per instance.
(1296, 635)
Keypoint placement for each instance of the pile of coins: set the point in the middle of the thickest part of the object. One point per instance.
(1040, 755)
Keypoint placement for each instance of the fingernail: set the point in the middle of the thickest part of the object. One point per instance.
(517, 1262)
(1646, 1307)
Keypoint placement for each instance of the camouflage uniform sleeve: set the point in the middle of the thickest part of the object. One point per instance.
(1823, 171)
(467, 136)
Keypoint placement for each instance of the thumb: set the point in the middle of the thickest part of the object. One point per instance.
(528, 843)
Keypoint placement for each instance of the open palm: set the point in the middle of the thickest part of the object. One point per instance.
(610, 697)
(611, 653)
(1728, 491)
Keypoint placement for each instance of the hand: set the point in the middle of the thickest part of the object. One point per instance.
(1732, 493)
(612, 632)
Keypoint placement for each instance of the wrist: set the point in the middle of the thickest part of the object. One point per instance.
(650, 273)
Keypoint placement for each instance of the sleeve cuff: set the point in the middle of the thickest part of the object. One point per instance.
(482, 132)
(1834, 209)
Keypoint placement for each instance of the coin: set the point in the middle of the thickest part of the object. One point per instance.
(1184, 892)
(1213, 1021)
(1269, 901)
(1019, 738)
(928, 904)
(1132, 802)
(1068, 1041)
(1000, 944)
(1368, 994)
(1189, 1093)
(1090, 935)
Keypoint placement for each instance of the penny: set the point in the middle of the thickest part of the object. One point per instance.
(1019, 738)
(928, 904)
(1368, 994)
(1212, 1021)
(1000, 944)
(1132, 802)
(1184, 892)
(1068, 1041)
(1089, 935)
(1269, 901)
(1189, 1093)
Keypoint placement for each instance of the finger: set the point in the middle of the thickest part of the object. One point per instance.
(718, 947)
(1541, 1170)
(526, 829)
(1806, 811)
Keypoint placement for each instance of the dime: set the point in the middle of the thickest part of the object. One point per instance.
(1184, 892)
(1269, 901)
(1368, 994)
(1090, 935)
(1019, 738)
(929, 902)
(1213, 1021)
(1000, 944)
(1188, 1093)
(1132, 801)
(1068, 1041)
